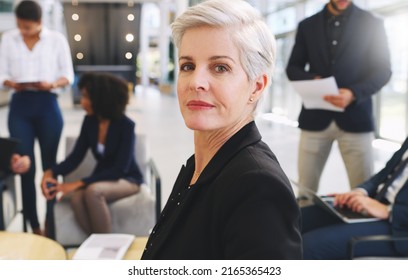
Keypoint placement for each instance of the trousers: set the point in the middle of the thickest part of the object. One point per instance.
(90, 204)
(315, 147)
(35, 115)
(326, 237)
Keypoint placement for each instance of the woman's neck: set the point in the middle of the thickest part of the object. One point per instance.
(207, 143)
(30, 41)
(103, 130)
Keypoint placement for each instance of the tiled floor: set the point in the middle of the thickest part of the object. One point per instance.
(171, 143)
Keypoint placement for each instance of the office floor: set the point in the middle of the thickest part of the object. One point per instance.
(171, 143)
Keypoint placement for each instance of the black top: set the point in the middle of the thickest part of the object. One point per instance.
(241, 207)
(335, 26)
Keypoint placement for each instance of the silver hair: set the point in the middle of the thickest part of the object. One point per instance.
(250, 34)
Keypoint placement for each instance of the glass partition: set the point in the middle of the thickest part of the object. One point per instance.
(392, 117)
(6, 6)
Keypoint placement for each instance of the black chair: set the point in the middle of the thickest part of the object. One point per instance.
(8, 207)
(371, 239)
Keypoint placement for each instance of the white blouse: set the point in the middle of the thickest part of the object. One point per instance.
(49, 60)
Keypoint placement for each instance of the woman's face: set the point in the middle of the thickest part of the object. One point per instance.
(212, 87)
(86, 102)
(28, 28)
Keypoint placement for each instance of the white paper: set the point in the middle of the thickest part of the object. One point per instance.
(312, 92)
(104, 246)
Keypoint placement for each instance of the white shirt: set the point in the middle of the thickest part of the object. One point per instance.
(398, 182)
(395, 186)
(49, 60)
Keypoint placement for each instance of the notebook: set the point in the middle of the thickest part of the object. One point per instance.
(7, 148)
(345, 214)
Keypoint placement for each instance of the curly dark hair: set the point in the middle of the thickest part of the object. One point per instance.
(28, 10)
(107, 92)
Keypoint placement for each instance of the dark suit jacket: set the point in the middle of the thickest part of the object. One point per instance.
(399, 214)
(117, 162)
(242, 207)
(361, 64)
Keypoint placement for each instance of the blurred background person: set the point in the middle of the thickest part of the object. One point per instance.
(34, 63)
(110, 135)
(231, 200)
(350, 44)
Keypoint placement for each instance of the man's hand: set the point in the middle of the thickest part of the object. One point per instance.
(341, 100)
(20, 164)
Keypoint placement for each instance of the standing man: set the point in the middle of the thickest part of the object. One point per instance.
(350, 44)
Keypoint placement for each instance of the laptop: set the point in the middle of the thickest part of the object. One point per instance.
(7, 148)
(345, 214)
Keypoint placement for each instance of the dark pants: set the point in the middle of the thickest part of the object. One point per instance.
(326, 237)
(35, 115)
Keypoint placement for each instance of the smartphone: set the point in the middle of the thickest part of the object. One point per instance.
(50, 185)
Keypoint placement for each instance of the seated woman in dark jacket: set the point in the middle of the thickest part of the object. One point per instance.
(110, 135)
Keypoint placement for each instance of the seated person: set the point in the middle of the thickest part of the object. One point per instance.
(109, 134)
(384, 196)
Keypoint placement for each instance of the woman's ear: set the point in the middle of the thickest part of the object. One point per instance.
(260, 84)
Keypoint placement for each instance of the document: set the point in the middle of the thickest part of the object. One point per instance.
(312, 92)
(104, 246)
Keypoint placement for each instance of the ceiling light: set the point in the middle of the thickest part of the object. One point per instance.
(130, 37)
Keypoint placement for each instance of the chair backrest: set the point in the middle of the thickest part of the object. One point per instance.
(8, 202)
(85, 168)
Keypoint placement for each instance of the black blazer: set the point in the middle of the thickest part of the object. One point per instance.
(118, 160)
(399, 214)
(241, 207)
(361, 64)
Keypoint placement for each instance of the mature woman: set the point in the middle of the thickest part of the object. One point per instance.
(109, 134)
(34, 63)
(231, 200)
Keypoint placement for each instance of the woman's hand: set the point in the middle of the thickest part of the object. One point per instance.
(43, 85)
(359, 202)
(343, 199)
(66, 188)
(369, 206)
(14, 85)
(48, 178)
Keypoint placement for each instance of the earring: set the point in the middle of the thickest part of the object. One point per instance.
(251, 99)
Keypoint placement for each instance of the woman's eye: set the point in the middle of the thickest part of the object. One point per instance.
(221, 69)
(186, 67)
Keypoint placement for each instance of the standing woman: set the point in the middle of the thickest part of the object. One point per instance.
(34, 62)
(231, 200)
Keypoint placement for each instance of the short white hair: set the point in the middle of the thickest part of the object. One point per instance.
(249, 32)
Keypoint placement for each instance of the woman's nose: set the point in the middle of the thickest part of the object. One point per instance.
(200, 79)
